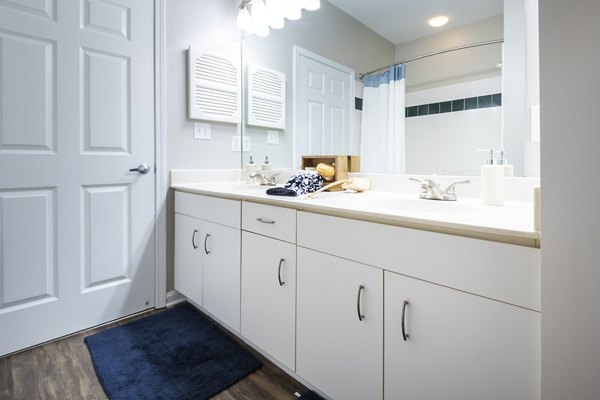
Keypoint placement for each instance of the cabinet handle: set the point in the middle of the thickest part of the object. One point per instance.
(205, 240)
(405, 335)
(358, 297)
(194, 245)
(281, 283)
(265, 221)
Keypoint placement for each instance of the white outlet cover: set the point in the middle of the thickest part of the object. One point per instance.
(272, 137)
(236, 143)
(246, 143)
(201, 131)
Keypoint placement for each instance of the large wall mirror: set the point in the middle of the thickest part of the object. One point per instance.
(452, 104)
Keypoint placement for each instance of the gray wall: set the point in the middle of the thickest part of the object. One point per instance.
(328, 32)
(210, 25)
(569, 61)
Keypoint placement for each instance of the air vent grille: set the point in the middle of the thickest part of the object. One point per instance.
(214, 92)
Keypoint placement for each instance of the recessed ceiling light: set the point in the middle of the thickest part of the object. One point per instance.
(436, 22)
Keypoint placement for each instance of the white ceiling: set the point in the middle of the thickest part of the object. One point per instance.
(400, 21)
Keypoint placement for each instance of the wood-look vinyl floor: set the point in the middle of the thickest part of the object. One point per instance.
(63, 370)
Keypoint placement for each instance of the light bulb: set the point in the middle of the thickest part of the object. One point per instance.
(436, 22)
(275, 13)
(313, 5)
(244, 20)
(291, 11)
(259, 12)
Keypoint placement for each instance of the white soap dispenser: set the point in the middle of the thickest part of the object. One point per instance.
(508, 169)
(492, 182)
(250, 169)
(266, 166)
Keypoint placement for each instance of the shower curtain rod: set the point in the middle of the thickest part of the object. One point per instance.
(435, 53)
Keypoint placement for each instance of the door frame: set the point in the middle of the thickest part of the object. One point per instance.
(161, 175)
(301, 52)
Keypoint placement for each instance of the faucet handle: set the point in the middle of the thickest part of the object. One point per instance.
(450, 194)
(271, 178)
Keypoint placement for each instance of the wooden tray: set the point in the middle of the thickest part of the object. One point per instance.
(342, 165)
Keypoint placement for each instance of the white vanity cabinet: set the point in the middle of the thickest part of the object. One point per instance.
(269, 280)
(188, 257)
(339, 342)
(441, 343)
(207, 254)
(472, 321)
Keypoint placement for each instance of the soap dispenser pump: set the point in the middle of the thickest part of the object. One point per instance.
(266, 166)
(508, 169)
(492, 182)
(250, 170)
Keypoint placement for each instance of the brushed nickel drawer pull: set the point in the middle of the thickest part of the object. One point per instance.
(194, 245)
(281, 283)
(405, 335)
(265, 221)
(205, 240)
(358, 297)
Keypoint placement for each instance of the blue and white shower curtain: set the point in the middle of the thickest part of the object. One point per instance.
(382, 127)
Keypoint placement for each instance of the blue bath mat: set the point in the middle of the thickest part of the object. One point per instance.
(176, 354)
(310, 395)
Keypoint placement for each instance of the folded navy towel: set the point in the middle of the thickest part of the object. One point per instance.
(298, 185)
(279, 191)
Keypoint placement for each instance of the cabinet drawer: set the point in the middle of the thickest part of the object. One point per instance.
(276, 222)
(220, 211)
(499, 271)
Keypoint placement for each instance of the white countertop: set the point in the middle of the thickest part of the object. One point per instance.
(511, 223)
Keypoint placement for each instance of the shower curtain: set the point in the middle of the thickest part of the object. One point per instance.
(382, 127)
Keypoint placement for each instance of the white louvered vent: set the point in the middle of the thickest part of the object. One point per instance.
(266, 97)
(214, 92)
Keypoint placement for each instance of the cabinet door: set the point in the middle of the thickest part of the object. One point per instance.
(220, 246)
(269, 296)
(458, 345)
(337, 351)
(188, 257)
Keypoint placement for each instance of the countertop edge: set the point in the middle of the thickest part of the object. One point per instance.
(527, 239)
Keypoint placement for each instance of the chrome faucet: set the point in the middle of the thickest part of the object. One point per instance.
(264, 179)
(432, 191)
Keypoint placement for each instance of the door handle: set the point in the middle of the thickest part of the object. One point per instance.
(405, 335)
(194, 245)
(142, 169)
(281, 283)
(361, 316)
(206, 251)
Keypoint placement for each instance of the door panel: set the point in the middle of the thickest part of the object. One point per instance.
(76, 113)
(221, 292)
(28, 246)
(324, 106)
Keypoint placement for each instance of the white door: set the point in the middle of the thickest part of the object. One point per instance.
(324, 104)
(188, 257)
(221, 272)
(76, 113)
(269, 296)
(448, 344)
(336, 350)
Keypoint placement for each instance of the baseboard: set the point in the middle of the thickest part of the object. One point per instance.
(174, 298)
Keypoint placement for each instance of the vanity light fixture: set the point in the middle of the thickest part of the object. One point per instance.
(256, 16)
(438, 21)
(244, 20)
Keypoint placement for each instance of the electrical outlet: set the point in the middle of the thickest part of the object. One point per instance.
(201, 131)
(246, 143)
(236, 143)
(272, 137)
